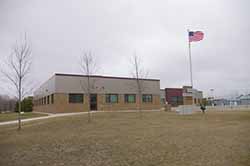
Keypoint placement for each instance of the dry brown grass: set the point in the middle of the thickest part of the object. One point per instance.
(160, 138)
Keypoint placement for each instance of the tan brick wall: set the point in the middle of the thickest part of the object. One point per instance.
(50, 108)
(121, 105)
(61, 104)
(187, 100)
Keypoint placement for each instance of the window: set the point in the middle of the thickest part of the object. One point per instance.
(75, 98)
(48, 100)
(130, 98)
(146, 98)
(52, 99)
(44, 100)
(176, 100)
(111, 98)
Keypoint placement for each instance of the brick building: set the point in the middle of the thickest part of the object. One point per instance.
(174, 96)
(183, 96)
(67, 93)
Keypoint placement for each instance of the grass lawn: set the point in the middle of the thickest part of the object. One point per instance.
(13, 116)
(159, 138)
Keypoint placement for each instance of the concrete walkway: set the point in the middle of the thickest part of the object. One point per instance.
(65, 114)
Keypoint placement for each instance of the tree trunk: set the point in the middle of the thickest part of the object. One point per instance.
(19, 104)
(140, 100)
(140, 96)
(19, 114)
(89, 118)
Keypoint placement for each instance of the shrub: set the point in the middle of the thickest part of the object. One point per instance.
(27, 105)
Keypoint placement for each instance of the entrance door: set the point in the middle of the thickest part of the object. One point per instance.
(93, 102)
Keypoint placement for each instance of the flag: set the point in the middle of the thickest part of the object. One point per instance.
(195, 36)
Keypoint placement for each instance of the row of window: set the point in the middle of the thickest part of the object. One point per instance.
(109, 98)
(45, 100)
(112, 98)
(128, 98)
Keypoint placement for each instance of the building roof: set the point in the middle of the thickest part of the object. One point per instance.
(100, 76)
(244, 97)
(187, 86)
(73, 83)
(173, 88)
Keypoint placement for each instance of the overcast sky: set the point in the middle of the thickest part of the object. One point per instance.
(59, 31)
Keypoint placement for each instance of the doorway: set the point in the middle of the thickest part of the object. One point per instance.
(93, 102)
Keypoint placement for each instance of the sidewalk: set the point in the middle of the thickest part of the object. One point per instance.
(66, 114)
(43, 117)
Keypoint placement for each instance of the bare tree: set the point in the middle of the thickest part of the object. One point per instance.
(139, 74)
(88, 67)
(7, 103)
(16, 70)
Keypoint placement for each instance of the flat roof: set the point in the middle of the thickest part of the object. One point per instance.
(173, 88)
(100, 76)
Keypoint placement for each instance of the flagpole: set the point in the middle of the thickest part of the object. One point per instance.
(190, 60)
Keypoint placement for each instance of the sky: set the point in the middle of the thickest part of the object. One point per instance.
(60, 31)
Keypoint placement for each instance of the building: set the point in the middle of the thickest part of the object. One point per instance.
(67, 93)
(221, 102)
(244, 99)
(191, 96)
(174, 96)
(240, 100)
(183, 96)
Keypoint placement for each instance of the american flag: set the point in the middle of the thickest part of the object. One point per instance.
(195, 36)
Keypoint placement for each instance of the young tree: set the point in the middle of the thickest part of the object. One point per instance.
(88, 67)
(139, 74)
(16, 70)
